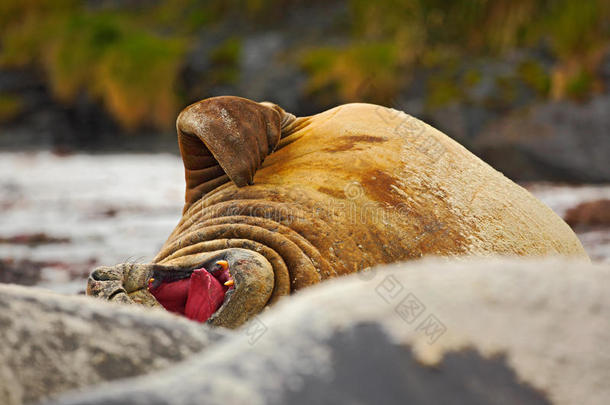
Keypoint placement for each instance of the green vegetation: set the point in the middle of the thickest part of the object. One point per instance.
(361, 72)
(133, 72)
(579, 85)
(105, 54)
(224, 58)
(534, 75)
(442, 91)
(472, 78)
(129, 58)
(435, 33)
(10, 107)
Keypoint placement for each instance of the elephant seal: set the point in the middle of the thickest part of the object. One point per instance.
(285, 202)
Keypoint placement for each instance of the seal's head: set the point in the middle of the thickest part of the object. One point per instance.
(223, 289)
(229, 275)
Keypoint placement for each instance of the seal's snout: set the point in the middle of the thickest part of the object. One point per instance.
(194, 120)
(225, 136)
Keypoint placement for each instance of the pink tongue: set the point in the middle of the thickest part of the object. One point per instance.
(172, 295)
(197, 297)
(205, 296)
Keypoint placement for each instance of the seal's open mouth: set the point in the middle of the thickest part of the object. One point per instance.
(196, 294)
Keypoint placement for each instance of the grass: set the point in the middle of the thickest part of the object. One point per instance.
(359, 72)
(535, 76)
(132, 71)
(10, 106)
(129, 57)
(225, 61)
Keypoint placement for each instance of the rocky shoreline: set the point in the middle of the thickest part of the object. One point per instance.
(432, 331)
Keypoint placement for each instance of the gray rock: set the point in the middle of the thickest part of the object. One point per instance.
(264, 73)
(495, 331)
(52, 343)
(562, 141)
(604, 71)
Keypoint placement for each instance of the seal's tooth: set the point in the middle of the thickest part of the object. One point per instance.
(223, 263)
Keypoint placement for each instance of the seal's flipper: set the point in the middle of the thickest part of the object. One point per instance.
(224, 138)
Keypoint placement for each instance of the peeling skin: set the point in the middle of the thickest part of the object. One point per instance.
(331, 194)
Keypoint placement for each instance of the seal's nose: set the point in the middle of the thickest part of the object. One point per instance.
(231, 132)
(194, 119)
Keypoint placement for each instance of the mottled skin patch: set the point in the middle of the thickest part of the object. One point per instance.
(381, 186)
(332, 192)
(345, 143)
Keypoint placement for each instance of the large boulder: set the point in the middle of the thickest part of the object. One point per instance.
(52, 343)
(434, 331)
(561, 141)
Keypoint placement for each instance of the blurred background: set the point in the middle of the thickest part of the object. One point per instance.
(89, 92)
